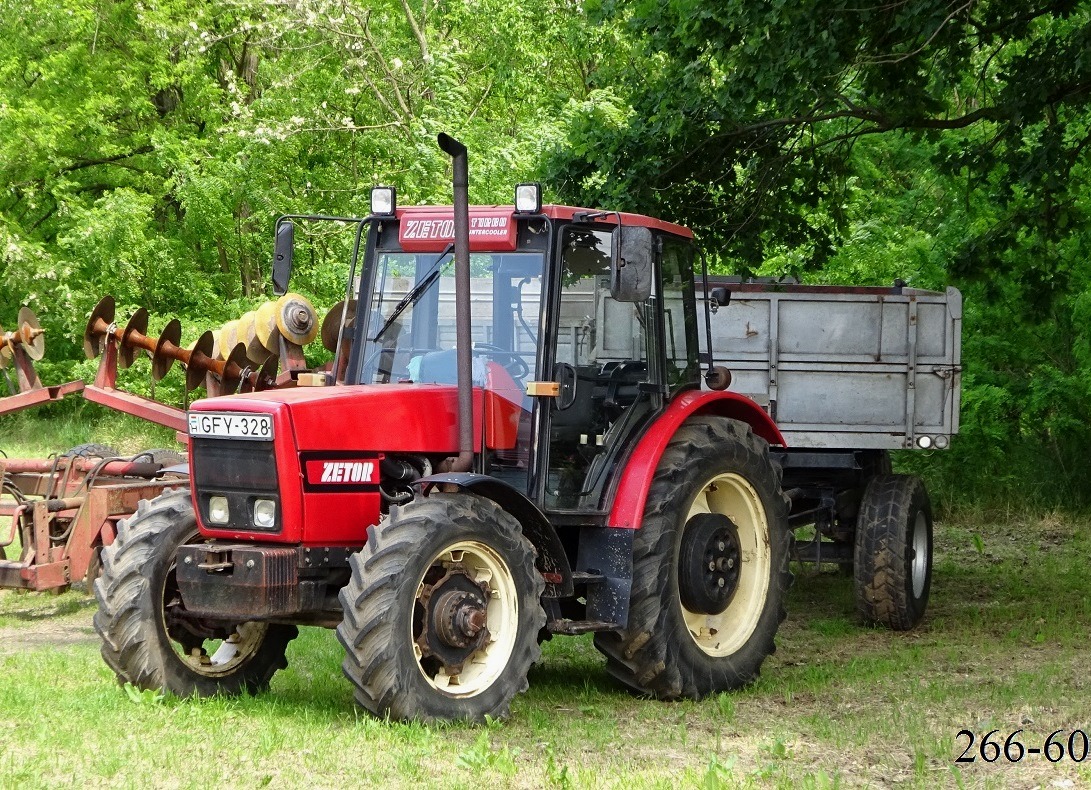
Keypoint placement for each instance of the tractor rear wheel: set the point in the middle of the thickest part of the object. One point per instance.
(893, 552)
(149, 640)
(442, 612)
(710, 567)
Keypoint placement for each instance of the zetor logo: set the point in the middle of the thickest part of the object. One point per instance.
(347, 472)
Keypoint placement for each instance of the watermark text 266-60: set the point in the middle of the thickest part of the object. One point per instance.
(992, 746)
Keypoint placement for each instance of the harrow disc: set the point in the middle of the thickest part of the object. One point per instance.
(332, 322)
(265, 327)
(267, 376)
(162, 359)
(199, 358)
(5, 351)
(135, 330)
(237, 365)
(297, 319)
(97, 326)
(32, 332)
(248, 334)
(229, 338)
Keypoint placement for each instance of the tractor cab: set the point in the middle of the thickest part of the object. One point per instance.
(583, 325)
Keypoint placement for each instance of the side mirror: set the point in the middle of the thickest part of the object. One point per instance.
(282, 257)
(631, 256)
(718, 297)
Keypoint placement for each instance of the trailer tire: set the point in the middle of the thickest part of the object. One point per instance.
(145, 638)
(427, 574)
(893, 552)
(91, 450)
(161, 455)
(716, 497)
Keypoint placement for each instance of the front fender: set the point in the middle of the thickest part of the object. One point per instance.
(627, 511)
(552, 561)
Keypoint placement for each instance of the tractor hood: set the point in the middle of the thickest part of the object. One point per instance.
(388, 418)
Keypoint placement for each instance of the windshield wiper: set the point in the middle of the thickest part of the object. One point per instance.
(414, 296)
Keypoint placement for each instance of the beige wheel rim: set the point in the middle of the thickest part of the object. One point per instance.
(725, 633)
(484, 666)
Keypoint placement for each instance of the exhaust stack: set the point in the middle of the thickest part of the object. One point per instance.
(457, 151)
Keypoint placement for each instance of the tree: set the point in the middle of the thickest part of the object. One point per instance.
(933, 140)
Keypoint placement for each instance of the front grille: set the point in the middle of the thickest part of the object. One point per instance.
(233, 464)
(240, 470)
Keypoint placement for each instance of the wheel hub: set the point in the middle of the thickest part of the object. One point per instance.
(453, 615)
(709, 561)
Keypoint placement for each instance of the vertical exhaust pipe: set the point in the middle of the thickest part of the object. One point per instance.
(457, 151)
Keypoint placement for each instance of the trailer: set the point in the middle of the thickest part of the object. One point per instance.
(850, 374)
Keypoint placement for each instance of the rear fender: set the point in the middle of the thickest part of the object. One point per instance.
(552, 561)
(631, 495)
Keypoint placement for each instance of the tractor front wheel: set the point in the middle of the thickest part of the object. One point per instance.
(442, 612)
(149, 639)
(710, 567)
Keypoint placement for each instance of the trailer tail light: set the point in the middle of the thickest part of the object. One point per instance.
(942, 442)
(924, 442)
(528, 198)
(383, 201)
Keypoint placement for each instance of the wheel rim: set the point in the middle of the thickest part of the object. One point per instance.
(724, 633)
(208, 648)
(919, 568)
(454, 653)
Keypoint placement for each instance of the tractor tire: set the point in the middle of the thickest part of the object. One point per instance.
(91, 450)
(715, 498)
(893, 552)
(146, 637)
(429, 577)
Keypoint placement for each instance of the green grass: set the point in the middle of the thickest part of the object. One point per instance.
(1004, 647)
(53, 429)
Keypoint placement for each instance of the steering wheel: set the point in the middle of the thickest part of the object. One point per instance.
(513, 363)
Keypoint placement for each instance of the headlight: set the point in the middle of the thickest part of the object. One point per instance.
(217, 510)
(265, 513)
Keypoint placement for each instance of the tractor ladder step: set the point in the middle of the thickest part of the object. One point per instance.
(577, 627)
(587, 577)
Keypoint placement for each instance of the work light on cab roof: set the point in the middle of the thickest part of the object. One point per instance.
(528, 198)
(383, 201)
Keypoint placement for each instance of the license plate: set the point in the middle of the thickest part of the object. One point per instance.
(231, 425)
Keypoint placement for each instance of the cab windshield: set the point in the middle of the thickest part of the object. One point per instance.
(410, 320)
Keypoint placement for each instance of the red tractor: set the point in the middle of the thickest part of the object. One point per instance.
(512, 442)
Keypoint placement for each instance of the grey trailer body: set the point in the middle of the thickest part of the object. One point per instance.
(850, 373)
(846, 368)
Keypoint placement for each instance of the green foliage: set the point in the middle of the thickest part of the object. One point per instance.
(847, 143)
(146, 151)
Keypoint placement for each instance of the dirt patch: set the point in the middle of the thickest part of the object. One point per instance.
(29, 621)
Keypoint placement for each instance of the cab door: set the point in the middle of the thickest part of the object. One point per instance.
(607, 361)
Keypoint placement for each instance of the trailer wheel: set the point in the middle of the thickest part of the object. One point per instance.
(710, 567)
(91, 450)
(147, 637)
(160, 455)
(442, 612)
(893, 552)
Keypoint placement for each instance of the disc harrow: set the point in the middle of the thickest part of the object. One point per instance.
(19, 350)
